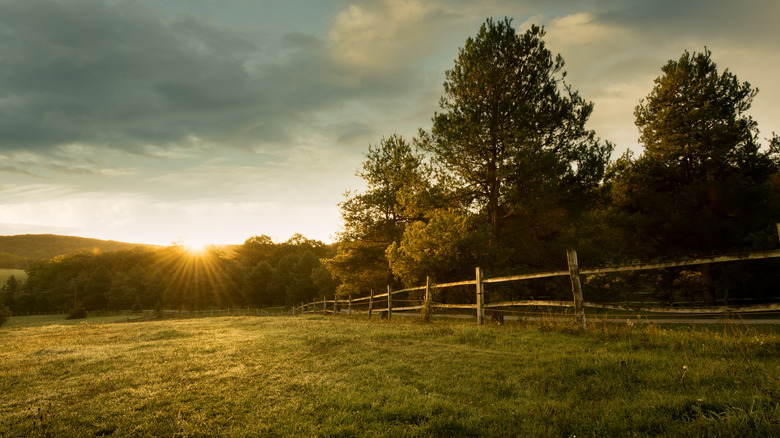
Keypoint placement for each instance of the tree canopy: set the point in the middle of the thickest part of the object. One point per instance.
(512, 135)
(703, 184)
(375, 218)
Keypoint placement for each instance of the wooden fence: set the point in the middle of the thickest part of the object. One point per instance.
(426, 304)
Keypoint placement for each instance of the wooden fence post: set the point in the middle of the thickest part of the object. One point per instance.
(389, 304)
(349, 306)
(778, 230)
(335, 304)
(427, 303)
(370, 303)
(480, 297)
(576, 286)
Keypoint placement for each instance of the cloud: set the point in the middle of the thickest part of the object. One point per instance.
(746, 22)
(122, 75)
(385, 37)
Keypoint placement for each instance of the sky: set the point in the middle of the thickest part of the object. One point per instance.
(211, 121)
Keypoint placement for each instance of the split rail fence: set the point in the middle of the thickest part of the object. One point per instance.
(386, 305)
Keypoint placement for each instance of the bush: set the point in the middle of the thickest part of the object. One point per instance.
(5, 313)
(77, 313)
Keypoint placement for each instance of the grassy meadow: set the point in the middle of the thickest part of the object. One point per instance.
(336, 376)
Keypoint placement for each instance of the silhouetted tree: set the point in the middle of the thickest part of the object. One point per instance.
(703, 183)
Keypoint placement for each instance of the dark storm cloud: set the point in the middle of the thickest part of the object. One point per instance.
(751, 22)
(125, 76)
(80, 71)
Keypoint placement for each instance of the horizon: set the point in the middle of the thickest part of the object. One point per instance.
(151, 122)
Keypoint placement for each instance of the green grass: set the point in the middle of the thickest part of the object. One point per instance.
(334, 376)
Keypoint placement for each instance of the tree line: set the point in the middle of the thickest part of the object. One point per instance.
(259, 273)
(507, 177)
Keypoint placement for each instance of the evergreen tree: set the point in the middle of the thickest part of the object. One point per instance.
(512, 137)
(703, 184)
(8, 290)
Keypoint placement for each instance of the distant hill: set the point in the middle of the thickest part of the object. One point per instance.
(13, 262)
(17, 251)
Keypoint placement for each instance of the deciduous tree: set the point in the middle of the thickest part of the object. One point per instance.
(377, 217)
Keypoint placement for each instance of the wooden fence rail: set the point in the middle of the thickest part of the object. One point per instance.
(578, 303)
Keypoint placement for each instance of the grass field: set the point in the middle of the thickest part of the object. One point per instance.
(333, 376)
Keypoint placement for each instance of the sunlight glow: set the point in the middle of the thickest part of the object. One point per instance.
(198, 249)
(192, 245)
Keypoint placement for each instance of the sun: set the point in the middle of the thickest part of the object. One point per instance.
(192, 245)
(197, 249)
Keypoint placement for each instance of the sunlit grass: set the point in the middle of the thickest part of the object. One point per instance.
(325, 376)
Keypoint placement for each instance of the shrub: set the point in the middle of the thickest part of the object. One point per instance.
(78, 312)
(5, 313)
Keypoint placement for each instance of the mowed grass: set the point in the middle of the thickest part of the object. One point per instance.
(336, 376)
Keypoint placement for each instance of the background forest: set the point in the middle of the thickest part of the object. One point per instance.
(507, 177)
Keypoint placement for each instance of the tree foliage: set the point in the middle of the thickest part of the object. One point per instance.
(512, 135)
(695, 122)
(373, 219)
(703, 184)
(444, 246)
(7, 293)
(258, 273)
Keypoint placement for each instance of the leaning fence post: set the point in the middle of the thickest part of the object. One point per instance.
(427, 303)
(370, 303)
(389, 304)
(349, 306)
(576, 286)
(480, 297)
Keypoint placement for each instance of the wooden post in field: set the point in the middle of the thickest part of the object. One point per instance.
(480, 297)
(389, 304)
(313, 305)
(335, 304)
(427, 303)
(349, 306)
(370, 303)
(576, 286)
(778, 229)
